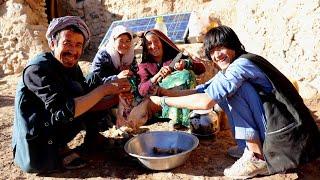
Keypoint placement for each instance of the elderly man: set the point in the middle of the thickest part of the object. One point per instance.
(53, 100)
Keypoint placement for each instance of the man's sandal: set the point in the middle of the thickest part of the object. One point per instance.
(73, 161)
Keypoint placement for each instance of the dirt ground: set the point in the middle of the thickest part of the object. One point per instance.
(207, 161)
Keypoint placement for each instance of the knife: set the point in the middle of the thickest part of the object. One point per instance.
(173, 62)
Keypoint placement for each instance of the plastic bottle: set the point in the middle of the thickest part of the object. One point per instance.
(160, 25)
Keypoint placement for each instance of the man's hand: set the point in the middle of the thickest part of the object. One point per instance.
(156, 100)
(154, 90)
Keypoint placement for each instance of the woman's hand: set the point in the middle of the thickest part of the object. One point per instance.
(163, 72)
(117, 86)
(179, 65)
(125, 74)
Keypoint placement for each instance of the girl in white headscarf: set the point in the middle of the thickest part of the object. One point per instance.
(113, 61)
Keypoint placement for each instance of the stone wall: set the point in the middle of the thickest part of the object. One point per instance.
(22, 33)
(285, 32)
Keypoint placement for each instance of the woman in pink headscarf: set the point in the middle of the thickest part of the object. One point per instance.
(158, 69)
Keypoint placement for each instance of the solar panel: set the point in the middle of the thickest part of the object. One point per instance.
(177, 26)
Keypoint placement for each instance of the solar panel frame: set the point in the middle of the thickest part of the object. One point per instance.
(177, 25)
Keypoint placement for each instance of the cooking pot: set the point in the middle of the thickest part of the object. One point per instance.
(204, 122)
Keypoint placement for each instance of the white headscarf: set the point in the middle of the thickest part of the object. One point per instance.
(126, 58)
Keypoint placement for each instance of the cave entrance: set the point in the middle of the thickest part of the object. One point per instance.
(53, 10)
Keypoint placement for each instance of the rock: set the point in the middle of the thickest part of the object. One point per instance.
(292, 46)
(307, 91)
(316, 83)
(17, 67)
(7, 69)
(1, 72)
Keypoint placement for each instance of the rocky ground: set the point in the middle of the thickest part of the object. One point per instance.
(207, 161)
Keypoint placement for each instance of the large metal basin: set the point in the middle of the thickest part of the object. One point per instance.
(142, 147)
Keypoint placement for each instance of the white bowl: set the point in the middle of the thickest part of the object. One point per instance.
(142, 147)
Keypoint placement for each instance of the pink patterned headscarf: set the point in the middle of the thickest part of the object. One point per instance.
(60, 23)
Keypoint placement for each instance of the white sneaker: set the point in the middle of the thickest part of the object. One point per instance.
(247, 166)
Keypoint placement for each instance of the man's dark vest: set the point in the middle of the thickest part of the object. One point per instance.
(292, 136)
(31, 151)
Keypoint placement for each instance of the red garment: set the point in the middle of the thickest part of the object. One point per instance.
(149, 69)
